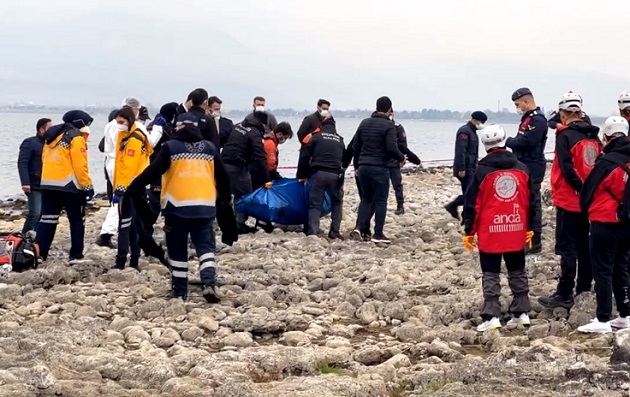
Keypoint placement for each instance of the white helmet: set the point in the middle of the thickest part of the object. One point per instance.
(493, 136)
(614, 125)
(570, 102)
(624, 100)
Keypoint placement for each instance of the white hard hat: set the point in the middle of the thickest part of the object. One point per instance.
(614, 125)
(571, 102)
(493, 136)
(624, 100)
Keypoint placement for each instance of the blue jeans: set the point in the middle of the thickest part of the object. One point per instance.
(34, 210)
(374, 191)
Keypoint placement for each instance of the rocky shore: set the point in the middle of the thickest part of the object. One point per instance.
(303, 316)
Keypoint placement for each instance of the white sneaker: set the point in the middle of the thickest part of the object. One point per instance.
(596, 327)
(514, 322)
(620, 322)
(493, 323)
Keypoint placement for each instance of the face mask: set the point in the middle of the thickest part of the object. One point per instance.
(391, 118)
(520, 111)
(282, 140)
(123, 127)
(216, 114)
(324, 112)
(260, 109)
(480, 126)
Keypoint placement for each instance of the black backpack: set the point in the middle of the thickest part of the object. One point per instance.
(18, 251)
(623, 211)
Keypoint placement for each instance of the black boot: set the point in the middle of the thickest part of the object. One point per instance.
(451, 208)
(120, 263)
(400, 210)
(536, 247)
(105, 240)
(134, 263)
(556, 300)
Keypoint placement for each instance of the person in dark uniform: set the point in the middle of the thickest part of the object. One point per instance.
(244, 154)
(602, 197)
(314, 121)
(577, 148)
(394, 167)
(497, 210)
(223, 124)
(529, 147)
(30, 170)
(207, 126)
(321, 161)
(195, 188)
(466, 156)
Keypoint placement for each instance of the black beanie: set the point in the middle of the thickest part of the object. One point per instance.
(479, 116)
(383, 104)
(169, 110)
(77, 118)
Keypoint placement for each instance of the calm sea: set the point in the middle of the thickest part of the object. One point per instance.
(432, 141)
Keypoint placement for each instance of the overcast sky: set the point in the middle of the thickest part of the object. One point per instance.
(453, 54)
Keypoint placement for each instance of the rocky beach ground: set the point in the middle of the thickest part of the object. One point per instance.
(303, 316)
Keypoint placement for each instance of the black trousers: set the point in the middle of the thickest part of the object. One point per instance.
(127, 233)
(110, 188)
(572, 244)
(537, 207)
(396, 178)
(375, 189)
(53, 202)
(464, 182)
(201, 232)
(322, 182)
(610, 255)
(241, 184)
(491, 283)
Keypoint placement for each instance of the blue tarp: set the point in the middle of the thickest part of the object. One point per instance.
(285, 203)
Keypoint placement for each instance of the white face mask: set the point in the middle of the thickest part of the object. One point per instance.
(260, 109)
(481, 126)
(123, 127)
(520, 111)
(216, 114)
(324, 112)
(391, 118)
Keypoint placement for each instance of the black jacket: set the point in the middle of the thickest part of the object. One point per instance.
(245, 148)
(555, 120)
(529, 143)
(348, 154)
(30, 162)
(324, 152)
(401, 137)
(206, 125)
(466, 149)
(225, 128)
(494, 161)
(309, 124)
(618, 148)
(375, 142)
(271, 123)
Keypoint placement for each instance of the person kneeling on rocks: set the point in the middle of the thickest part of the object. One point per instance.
(605, 197)
(498, 210)
(194, 186)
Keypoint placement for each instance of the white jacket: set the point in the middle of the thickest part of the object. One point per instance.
(111, 136)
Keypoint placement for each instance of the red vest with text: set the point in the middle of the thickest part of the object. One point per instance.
(502, 209)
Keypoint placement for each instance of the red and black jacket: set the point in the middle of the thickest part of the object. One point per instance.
(497, 203)
(577, 148)
(605, 180)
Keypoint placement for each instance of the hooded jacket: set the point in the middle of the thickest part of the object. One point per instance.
(603, 189)
(529, 143)
(309, 124)
(64, 160)
(323, 152)
(577, 148)
(270, 142)
(193, 176)
(30, 162)
(207, 127)
(497, 203)
(132, 158)
(110, 146)
(245, 148)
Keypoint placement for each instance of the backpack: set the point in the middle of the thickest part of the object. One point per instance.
(623, 211)
(18, 251)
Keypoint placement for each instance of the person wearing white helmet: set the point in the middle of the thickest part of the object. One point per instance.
(577, 148)
(605, 196)
(498, 210)
(554, 117)
(624, 105)
(529, 147)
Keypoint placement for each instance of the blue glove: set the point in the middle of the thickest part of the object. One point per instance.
(89, 195)
(160, 121)
(115, 199)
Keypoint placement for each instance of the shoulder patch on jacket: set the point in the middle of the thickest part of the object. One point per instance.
(463, 136)
(131, 152)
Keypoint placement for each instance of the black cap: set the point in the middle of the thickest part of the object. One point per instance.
(143, 114)
(383, 104)
(479, 116)
(77, 118)
(521, 92)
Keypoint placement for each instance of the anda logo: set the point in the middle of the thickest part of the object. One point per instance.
(503, 223)
(505, 187)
